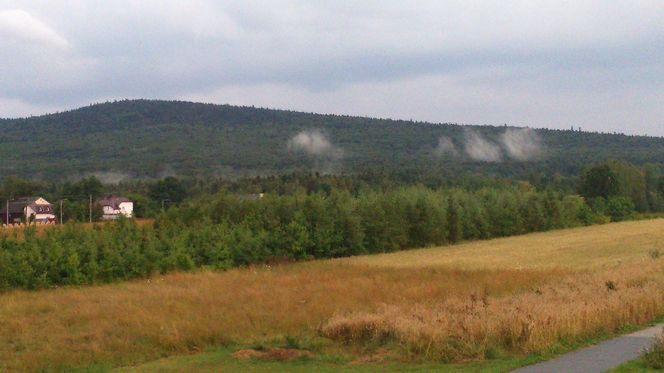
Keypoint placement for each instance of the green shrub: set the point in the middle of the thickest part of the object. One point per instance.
(654, 356)
(620, 208)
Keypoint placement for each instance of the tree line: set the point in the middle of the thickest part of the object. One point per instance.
(619, 190)
(218, 223)
(226, 230)
(615, 189)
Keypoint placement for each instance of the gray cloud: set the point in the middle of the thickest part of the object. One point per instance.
(543, 64)
(20, 26)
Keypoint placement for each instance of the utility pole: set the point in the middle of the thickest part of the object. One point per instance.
(7, 221)
(60, 212)
(90, 208)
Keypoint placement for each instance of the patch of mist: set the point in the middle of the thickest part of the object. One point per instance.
(111, 177)
(480, 149)
(445, 147)
(314, 143)
(522, 144)
(166, 171)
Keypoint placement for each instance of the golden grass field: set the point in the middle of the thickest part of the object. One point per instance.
(595, 247)
(519, 295)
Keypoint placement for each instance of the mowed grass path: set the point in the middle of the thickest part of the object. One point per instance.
(595, 247)
(139, 321)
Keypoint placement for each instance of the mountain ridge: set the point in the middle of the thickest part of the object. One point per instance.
(149, 138)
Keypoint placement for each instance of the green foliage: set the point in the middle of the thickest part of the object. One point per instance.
(143, 206)
(617, 179)
(222, 230)
(620, 208)
(169, 190)
(455, 231)
(84, 188)
(599, 181)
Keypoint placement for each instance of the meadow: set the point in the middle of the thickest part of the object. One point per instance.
(467, 304)
(595, 247)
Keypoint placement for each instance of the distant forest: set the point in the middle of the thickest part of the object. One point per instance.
(221, 224)
(154, 139)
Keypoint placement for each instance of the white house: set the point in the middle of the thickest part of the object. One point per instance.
(28, 209)
(114, 207)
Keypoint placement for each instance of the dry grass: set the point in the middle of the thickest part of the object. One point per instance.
(596, 247)
(18, 231)
(568, 309)
(181, 313)
(430, 309)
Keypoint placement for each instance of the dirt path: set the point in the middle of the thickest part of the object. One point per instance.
(601, 357)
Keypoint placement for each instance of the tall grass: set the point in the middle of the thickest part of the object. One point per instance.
(565, 310)
(187, 312)
(447, 315)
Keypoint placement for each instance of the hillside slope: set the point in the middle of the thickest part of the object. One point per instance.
(154, 138)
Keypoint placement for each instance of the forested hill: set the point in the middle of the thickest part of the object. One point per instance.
(154, 138)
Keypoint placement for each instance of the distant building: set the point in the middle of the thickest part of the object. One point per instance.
(113, 207)
(28, 210)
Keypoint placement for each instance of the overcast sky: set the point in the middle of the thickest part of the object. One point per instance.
(595, 64)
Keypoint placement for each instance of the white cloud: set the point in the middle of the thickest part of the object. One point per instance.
(20, 25)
